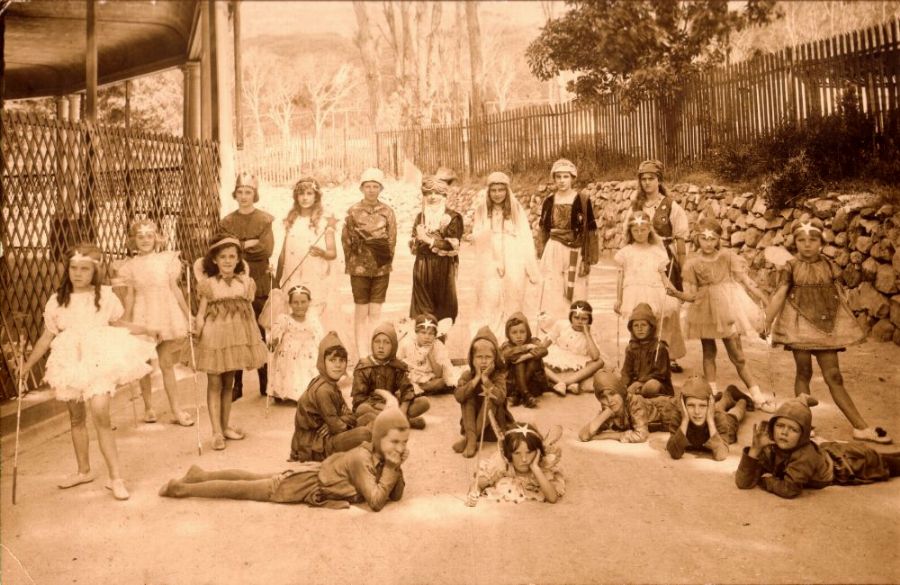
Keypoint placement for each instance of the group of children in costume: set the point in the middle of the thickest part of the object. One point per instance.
(352, 453)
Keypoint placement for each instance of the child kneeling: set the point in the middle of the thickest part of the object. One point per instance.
(367, 473)
(383, 371)
(323, 423)
(707, 424)
(524, 355)
(628, 418)
(782, 459)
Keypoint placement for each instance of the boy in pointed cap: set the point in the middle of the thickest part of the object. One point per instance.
(323, 423)
(383, 371)
(782, 460)
(707, 424)
(482, 387)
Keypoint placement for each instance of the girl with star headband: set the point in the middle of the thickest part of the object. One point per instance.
(525, 467)
(716, 285)
(572, 355)
(294, 339)
(809, 315)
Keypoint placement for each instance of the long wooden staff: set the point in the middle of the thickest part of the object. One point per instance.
(20, 362)
(187, 273)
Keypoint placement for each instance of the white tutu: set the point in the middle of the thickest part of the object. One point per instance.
(563, 360)
(88, 362)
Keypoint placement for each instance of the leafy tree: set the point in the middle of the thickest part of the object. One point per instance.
(643, 49)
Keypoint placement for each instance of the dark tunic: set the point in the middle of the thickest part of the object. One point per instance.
(370, 375)
(321, 414)
(434, 273)
(643, 363)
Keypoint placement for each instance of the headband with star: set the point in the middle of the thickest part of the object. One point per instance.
(808, 227)
(709, 234)
(639, 220)
(426, 324)
(522, 429)
(300, 288)
(79, 257)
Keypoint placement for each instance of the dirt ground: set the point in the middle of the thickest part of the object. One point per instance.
(630, 513)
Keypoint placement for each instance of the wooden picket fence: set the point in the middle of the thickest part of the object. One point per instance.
(739, 102)
(335, 156)
(70, 182)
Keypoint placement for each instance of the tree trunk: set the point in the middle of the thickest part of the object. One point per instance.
(369, 55)
(477, 66)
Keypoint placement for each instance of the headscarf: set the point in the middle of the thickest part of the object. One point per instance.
(433, 213)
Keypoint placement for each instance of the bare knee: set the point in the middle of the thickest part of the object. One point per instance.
(709, 348)
(833, 378)
(804, 371)
(77, 414)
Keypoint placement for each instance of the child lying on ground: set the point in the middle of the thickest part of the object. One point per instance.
(368, 473)
(628, 418)
(782, 459)
(707, 424)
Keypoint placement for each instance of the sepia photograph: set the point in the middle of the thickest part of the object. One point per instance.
(449, 292)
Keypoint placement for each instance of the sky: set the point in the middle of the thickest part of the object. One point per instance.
(274, 18)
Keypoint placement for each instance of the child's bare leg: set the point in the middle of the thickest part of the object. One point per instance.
(803, 363)
(227, 399)
(584, 377)
(170, 384)
(259, 490)
(214, 402)
(80, 437)
(351, 438)
(831, 371)
(709, 359)
(361, 329)
(417, 407)
(470, 426)
(105, 437)
(738, 410)
(196, 475)
(147, 396)
(736, 355)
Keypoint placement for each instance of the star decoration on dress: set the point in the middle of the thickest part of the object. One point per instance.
(708, 234)
(807, 227)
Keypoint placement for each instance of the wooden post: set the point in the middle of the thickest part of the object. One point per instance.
(205, 75)
(90, 63)
(238, 78)
(127, 105)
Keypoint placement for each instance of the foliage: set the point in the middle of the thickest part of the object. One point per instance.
(799, 161)
(638, 49)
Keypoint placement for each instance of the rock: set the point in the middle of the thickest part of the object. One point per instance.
(863, 244)
(752, 236)
(823, 208)
(869, 268)
(766, 240)
(896, 337)
(863, 321)
(857, 201)
(895, 261)
(740, 201)
(789, 241)
(870, 226)
(778, 239)
(830, 251)
(856, 257)
(842, 258)
(880, 250)
(733, 214)
(885, 279)
(741, 221)
(885, 210)
(787, 213)
(759, 206)
(852, 276)
(866, 298)
(737, 238)
(868, 211)
(840, 239)
(775, 222)
(760, 223)
(840, 221)
(883, 330)
(895, 310)
(693, 189)
(827, 236)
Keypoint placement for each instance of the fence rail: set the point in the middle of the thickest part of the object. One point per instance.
(737, 102)
(334, 156)
(65, 183)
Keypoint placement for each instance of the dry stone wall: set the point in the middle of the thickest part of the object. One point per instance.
(862, 236)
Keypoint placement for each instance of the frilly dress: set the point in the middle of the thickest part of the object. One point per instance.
(569, 350)
(425, 362)
(315, 272)
(294, 365)
(722, 308)
(88, 357)
(641, 282)
(155, 303)
(815, 316)
(507, 485)
(230, 338)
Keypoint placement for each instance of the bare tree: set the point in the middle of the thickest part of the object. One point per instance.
(474, 31)
(368, 50)
(326, 93)
(281, 99)
(256, 72)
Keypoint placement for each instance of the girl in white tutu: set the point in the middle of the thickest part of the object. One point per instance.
(153, 300)
(226, 325)
(639, 264)
(573, 356)
(295, 338)
(92, 352)
(720, 307)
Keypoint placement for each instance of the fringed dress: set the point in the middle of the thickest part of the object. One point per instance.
(230, 338)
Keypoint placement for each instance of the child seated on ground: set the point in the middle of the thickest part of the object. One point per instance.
(430, 368)
(707, 424)
(782, 459)
(573, 357)
(323, 423)
(645, 370)
(383, 371)
(525, 467)
(628, 418)
(370, 473)
(523, 355)
(481, 388)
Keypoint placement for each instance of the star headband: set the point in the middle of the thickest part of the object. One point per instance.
(79, 257)
(639, 220)
(523, 430)
(709, 234)
(579, 311)
(807, 228)
(300, 288)
(146, 229)
(426, 324)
